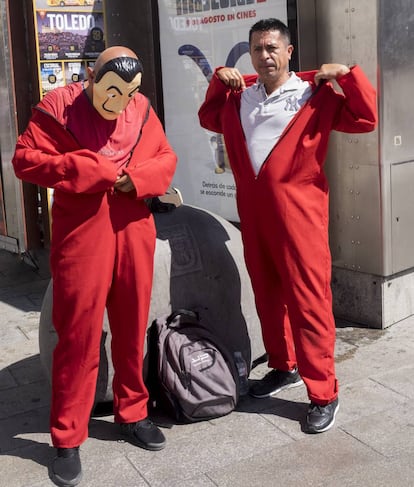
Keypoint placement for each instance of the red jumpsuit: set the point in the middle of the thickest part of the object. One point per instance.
(284, 221)
(102, 253)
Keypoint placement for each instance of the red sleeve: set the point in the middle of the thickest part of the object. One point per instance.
(46, 154)
(358, 113)
(217, 94)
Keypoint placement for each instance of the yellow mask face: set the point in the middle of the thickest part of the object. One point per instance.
(111, 94)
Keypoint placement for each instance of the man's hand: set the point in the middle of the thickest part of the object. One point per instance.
(331, 71)
(124, 184)
(231, 77)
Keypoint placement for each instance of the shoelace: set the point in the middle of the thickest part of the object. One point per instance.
(145, 424)
(315, 407)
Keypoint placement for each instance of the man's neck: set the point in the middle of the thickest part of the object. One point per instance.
(273, 85)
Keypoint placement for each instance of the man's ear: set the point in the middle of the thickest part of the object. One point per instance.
(91, 73)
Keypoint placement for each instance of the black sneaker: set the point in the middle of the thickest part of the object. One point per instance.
(66, 467)
(321, 418)
(144, 434)
(274, 382)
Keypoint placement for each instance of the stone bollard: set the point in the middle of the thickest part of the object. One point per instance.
(198, 265)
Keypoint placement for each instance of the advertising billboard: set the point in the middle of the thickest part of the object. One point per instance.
(70, 36)
(196, 37)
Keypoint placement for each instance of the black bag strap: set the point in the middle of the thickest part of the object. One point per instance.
(192, 315)
(151, 381)
(259, 360)
(144, 121)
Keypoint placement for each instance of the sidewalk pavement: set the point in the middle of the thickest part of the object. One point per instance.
(261, 444)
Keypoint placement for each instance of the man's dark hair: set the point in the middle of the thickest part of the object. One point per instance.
(125, 67)
(270, 24)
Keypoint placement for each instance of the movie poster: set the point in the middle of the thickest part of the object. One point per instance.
(70, 35)
(196, 37)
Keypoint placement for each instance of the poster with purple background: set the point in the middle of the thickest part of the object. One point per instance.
(70, 35)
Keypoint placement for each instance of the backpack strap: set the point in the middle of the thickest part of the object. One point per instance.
(192, 315)
(259, 360)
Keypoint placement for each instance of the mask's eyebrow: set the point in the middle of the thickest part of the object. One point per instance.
(113, 87)
(134, 90)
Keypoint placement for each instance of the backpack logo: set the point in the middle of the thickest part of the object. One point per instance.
(202, 361)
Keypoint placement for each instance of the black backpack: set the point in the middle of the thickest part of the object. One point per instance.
(191, 376)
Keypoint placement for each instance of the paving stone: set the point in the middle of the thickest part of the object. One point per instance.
(309, 462)
(118, 469)
(379, 473)
(390, 432)
(233, 437)
(24, 398)
(14, 353)
(27, 370)
(289, 417)
(6, 379)
(10, 333)
(399, 380)
(201, 481)
(365, 398)
(18, 431)
(26, 466)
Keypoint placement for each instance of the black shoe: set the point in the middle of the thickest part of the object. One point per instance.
(274, 382)
(66, 467)
(321, 418)
(144, 434)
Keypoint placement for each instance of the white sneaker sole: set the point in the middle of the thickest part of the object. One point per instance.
(328, 426)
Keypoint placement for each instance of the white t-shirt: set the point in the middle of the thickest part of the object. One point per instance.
(264, 117)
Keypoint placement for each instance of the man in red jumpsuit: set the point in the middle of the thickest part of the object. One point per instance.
(102, 149)
(276, 126)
